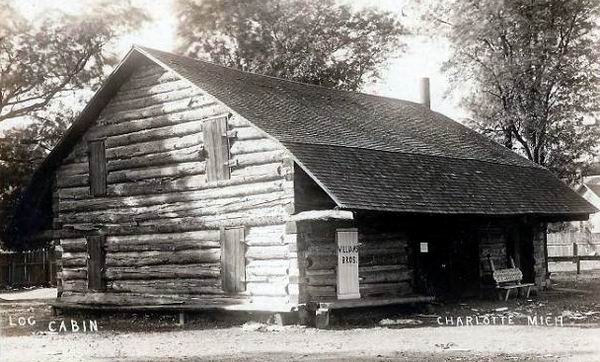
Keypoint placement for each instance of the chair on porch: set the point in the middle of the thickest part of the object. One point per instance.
(509, 279)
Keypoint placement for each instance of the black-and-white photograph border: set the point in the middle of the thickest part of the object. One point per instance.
(219, 180)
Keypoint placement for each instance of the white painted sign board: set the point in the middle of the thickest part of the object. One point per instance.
(347, 269)
(424, 247)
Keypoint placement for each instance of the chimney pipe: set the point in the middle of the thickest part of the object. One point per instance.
(425, 94)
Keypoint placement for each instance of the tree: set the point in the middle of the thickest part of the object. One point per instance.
(57, 53)
(315, 42)
(532, 67)
(21, 150)
(40, 62)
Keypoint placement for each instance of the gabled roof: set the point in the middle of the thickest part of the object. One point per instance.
(367, 152)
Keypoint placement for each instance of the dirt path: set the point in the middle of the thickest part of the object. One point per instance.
(31, 294)
(357, 334)
(428, 343)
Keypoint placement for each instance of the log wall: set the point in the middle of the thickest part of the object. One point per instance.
(385, 268)
(161, 216)
(492, 245)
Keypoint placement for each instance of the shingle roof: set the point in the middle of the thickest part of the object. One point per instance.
(379, 153)
(367, 152)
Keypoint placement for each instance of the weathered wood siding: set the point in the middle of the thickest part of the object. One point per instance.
(384, 266)
(161, 216)
(492, 246)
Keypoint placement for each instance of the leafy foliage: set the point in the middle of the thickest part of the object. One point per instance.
(43, 63)
(533, 69)
(21, 150)
(315, 42)
(57, 53)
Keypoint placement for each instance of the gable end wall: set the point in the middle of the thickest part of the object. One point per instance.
(161, 216)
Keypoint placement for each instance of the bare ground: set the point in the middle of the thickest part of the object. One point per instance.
(356, 334)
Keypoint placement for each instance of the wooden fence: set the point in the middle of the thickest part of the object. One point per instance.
(28, 268)
(574, 247)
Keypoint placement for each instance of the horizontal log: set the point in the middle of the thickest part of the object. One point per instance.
(150, 80)
(153, 242)
(73, 169)
(203, 239)
(374, 237)
(152, 111)
(152, 245)
(266, 289)
(201, 208)
(266, 240)
(189, 271)
(267, 252)
(145, 71)
(159, 133)
(266, 271)
(120, 104)
(201, 235)
(320, 291)
(323, 215)
(381, 268)
(137, 299)
(401, 288)
(72, 181)
(237, 121)
(167, 286)
(386, 276)
(321, 280)
(73, 273)
(204, 112)
(253, 175)
(74, 259)
(163, 257)
(253, 146)
(193, 153)
(330, 278)
(275, 213)
(252, 278)
(74, 245)
(178, 170)
(266, 264)
(151, 90)
(144, 148)
(186, 196)
(259, 158)
(265, 235)
(171, 225)
(74, 285)
(248, 133)
(274, 169)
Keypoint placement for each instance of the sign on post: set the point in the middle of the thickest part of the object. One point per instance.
(347, 269)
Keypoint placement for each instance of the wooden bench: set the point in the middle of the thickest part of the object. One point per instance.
(509, 279)
(317, 313)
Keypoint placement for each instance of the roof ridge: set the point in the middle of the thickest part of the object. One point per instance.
(143, 48)
(531, 165)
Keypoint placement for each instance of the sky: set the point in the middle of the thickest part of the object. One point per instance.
(400, 78)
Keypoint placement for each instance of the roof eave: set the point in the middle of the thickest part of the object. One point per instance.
(541, 216)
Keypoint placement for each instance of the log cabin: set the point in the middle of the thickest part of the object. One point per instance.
(185, 183)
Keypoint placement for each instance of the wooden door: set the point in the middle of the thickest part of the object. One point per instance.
(233, 260)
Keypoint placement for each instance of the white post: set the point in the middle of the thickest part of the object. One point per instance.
(347, 268)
